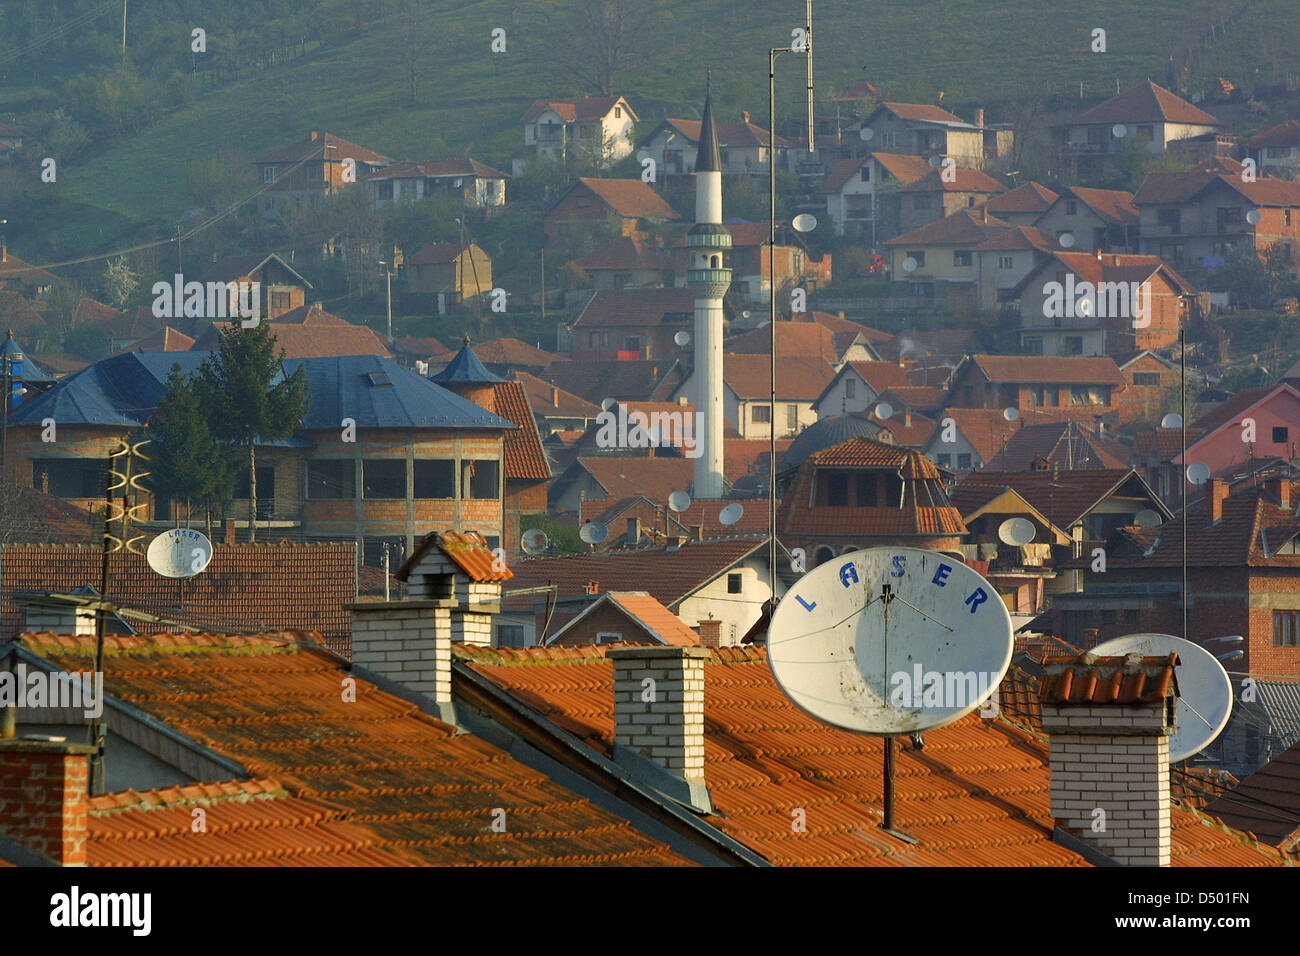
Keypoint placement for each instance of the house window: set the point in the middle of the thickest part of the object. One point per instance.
(1071, 207)
(510, 635)
(480, 478)
(917, 255)
(963, 461)
(944, 460)
(1280, 433)
(372, 553)
(1072, 345)
(268, 174)
(734, 583)
(1228, 216)
(837, 490)
(435, 478)
(632, 343)
(760, 413)
(961, 257)
(822, 555)
(1286, 628)
(1146, 378)
(866, 172)
(384, 190)
(1286, 217)
(618, 112)
(922, 201)
(1168, 219)
(281, 300)
(384, 478)
(593, 340)
(70, 477)
(1006, 262)
(888, 139)
(609, 637)
(792, 416)
(331, 479)
(1034, 344)
(1145, 132)
(850, 388)
(923, 290)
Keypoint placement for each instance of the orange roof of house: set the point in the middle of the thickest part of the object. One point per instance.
(1147, 103)
(165, 339)
(313, 146)
(441, 253)
(548, 399)
(985, 429)
(743, 133)
(1026, 198)
(1186, 185)
(1112, 205)
(800, 379)
(583, 109)
(629, 197)
(524, 457)
(656, 478)
(1285, 133)
(375, 780)
(1063, 370)
(977, 795)
(11, 267)
(958, 180)
(812, 340)
(655, 619)
(1019, 237)
(623, 253)
(923, 112)
(468, 550)
(965, 227)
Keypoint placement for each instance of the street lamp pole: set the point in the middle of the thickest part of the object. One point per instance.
(388, 274)
(771, 297)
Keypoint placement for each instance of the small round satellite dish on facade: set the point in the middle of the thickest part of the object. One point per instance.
(731, 514)
(884, 410)
(1172, 420)
(804, 222)
(864, 641)
(534, 541)
(679, 501)
(867, 133)
(1146, 518)
(179, 553)
(1204, 688)
(1198, 472)
(1253, 217)
(935, 160)
(607, 403)
(682, 338)
(593, 532)
(1010, 414)
(1016, 531)
(909, 264)
(1066, 239)
(1119, 130)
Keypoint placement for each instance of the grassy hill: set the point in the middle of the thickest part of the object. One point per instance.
(976, 52)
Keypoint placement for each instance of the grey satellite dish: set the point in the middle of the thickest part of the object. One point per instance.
(682, 338)
(1119, 130)
(1172, 420)
(534, 541)
(1253, 217)
(804, 222)
(1016, 531)
(731, 514)
(1146, 518)
(1010, 414)
(593, 532)
(1066, 239)
(607, 403)
(1205, 691)
(884, 410)
(179, 553)
(867, 133)
(679, 501)
(1198, 472)
(909, 264)
(935, 160)
(860, 641)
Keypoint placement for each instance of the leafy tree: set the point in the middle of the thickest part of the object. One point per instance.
(186, 462)
(242, 401)
(120, 281)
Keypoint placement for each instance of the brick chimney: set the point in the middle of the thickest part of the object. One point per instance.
(1109, 720)
(633, 531)
(1216, 491)
(44, 799)
(555, 395)
(1280, 488)
(979, 117)
(408, 642)
(697, 532)
(659, 719)
(710, 633)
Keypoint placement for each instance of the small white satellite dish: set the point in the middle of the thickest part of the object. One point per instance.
(935, 160)
(679, 501)
(1016, 531)
(593, 532)
(731, 514)
(1146, 518)
(804, 222)
(534, 541)
(1172, 420)
(864, 641)
(682, 338)
(607, 403)
(1205, 691)
(179, 553)
(1198, 472)
(884, 410)
(1253, 217)
(909, 264)
(1010, 414)
(867, 133)
(1119, 130)
(1066, 239)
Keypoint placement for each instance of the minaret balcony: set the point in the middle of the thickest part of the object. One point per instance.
(697, 240)
(709, 283)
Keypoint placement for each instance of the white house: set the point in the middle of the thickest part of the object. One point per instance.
(598, 129)
(856, 190)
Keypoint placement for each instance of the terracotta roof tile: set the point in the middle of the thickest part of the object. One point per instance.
(1028, 197)
(923, 112)
(966, 227)
(985, 429)
(583, 109)
(313, 147)
(1285, 133)
(1031, 369)
(524, 457)
(958, 181)
(793, 340)
(1147, 103)
(629, 197)
(655, 619)
(1267, 803)
(551, 400)
(1113, 205)
(729, 134)
(635, 307)
(798, 379)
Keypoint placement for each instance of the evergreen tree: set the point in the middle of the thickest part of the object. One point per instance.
(242, 401)
(186, 464)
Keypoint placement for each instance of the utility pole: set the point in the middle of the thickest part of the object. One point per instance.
(812, 123)
(123, 27)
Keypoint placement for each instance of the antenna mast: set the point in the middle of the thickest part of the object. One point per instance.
(812, 134)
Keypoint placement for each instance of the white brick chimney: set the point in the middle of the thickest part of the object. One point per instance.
(1110, 719)
(406, 641)
(659, 719)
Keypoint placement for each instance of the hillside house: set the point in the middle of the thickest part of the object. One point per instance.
(967, 439)
(1003, 260)
(632, 324)
(937, 262)
(941, 193)
(281, 288)
(1092, 220)
(1023, 205)
(313, 167)
(473, 184)
(1277, 149)
(747, 393)
(305, 332)
(629, 205)
(862, 198)
(594, 130)
(449, 272)
(1255, 426)
(919, 129)
(21, 277)
(1085, 388)
(742, 147)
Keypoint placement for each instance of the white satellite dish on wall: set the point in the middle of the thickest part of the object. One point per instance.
(1010, 414)
(1172, 420)
(593, 532)
(1204, 688)
(682, 338)
(884, 410)
(679, 501)
(1016, 531)
(804, 222)
(534, 541)
(179, 553)
(853, 639)
(731, 513)
(1198, 472)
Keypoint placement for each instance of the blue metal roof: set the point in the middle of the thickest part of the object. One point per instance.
(466, 368)
(376, 392)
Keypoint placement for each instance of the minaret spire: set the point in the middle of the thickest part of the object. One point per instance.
(708, 157)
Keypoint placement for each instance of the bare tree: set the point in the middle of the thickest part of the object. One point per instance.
(603, 40)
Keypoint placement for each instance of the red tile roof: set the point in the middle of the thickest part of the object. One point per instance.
(635, 308)
(797, 379)
(1147, 103)
(793, 340)
(438, 253)
(11, 267)
(1112, 205)
(426, 347)
(313, 147)
(1267, 803)
(881, 375)
(985, 429)
(955, 180)
(623, 253)
(976, 795)
(1180, 187)
(1285, 133)
(904, 168)
(551, 400)
(1033, 369)
(656, 478)
(596, 381)
(1028, 197)
(468, 550)
(524, 457)
(965, 227)
(729, 133)
(165, 339)
(1069, 444)
(1017, 238)
(1092, 680)
(28, 516)
(629, 197)
(922, 112)
(1063, 497)
(439, 168)
(657, 621)
(374, 780)
(247, 587)
(584, 109)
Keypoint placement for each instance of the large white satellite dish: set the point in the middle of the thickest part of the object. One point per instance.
(1148, 518)
(860, 641)
(179, 553)
(1198, 472)
(593, 532)
(1172, 420)
(804, 222)
(1205, 691)
(682, 338)
(1016, 531)
(679, 501)
(534, 541)
(731, 513)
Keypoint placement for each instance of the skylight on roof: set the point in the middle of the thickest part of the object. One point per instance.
(378, 379)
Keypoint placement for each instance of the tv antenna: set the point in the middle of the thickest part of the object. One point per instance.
(860, 641)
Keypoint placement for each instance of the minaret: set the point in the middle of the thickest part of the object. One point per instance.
(710, 278)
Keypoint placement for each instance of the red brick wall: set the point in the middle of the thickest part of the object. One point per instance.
(605, 618)
(43, 803)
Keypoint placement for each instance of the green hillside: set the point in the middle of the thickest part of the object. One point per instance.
(470, 100)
